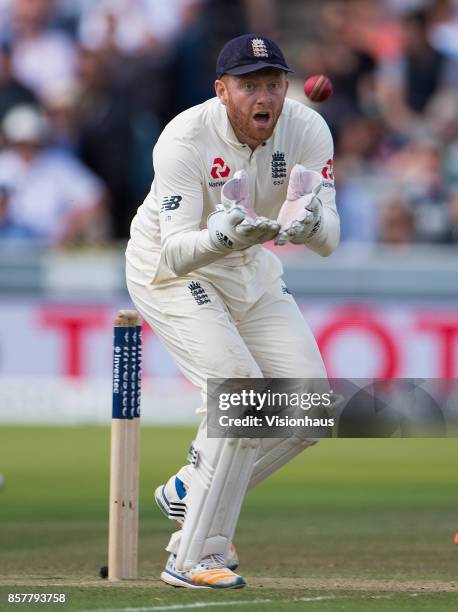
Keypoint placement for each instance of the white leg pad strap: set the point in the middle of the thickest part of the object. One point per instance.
(273, 453)
(222, 471)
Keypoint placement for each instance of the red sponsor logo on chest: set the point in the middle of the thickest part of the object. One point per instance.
(220, 169)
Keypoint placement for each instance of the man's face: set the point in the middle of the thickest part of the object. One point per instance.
(254, 103)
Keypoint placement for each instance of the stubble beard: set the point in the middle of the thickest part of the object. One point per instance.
(242, 128)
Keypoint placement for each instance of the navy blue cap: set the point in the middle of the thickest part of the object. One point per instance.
(249, 53)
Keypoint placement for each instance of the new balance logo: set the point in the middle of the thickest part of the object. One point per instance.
(170, 203)
(198, 293)
(223, 239)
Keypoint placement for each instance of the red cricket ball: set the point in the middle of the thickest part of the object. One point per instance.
(318, 88)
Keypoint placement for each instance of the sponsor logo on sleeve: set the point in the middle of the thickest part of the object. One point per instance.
(285, 290)
(224, 240)
(171, 203)
(328, 174)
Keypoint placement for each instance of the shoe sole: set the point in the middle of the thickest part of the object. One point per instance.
(175, 581)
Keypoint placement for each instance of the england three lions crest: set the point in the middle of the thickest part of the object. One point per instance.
(278, 166)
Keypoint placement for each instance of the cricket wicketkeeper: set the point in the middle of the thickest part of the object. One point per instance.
(243, 168)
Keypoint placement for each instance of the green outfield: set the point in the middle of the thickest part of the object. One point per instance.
(350, 525)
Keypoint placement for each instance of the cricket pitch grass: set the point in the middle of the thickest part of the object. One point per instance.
(353, 525)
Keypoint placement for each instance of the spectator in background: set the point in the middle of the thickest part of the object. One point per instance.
(444, 27)
(134, 26)
(61, 107)
(106, 139)
(393, 63)
(12, 92)
(396, 222)
(45, 192)
(406, 85)
(67, 14)
(359, 178)
(343, 57)
(130, 85)
(12, 233)
(393, 96)
(417, 169)
(41, 55)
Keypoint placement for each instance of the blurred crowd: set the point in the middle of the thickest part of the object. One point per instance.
(86, 87)
(394, 116)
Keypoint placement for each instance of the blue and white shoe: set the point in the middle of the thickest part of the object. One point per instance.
(171, 500)
(210, 573)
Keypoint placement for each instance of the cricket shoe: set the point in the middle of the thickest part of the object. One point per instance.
(170, 499)
(210, 573)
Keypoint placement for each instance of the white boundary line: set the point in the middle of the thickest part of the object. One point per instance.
(210, 604)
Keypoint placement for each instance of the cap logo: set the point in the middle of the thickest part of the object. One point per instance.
(259, 47)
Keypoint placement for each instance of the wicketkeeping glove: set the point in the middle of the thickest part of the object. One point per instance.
(234, 225)
(300, 216)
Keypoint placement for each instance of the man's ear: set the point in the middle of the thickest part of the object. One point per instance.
(221, 91)
(287, 85)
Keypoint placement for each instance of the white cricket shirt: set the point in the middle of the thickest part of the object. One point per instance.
(195, 155)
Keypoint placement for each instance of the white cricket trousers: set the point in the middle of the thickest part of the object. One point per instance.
(239, 324)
